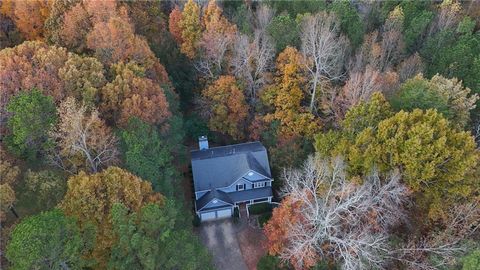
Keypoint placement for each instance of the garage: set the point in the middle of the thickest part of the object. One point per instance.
(221, 213)
(224, 213)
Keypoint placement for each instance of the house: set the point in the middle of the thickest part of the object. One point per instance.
(229, 176)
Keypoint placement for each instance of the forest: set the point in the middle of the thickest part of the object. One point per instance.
(369, 110)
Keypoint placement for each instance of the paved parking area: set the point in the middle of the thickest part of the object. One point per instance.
(220, 237)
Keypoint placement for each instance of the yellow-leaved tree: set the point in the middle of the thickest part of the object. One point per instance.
(227, 107)
(286, 96)
(91, 197)
(191, 28)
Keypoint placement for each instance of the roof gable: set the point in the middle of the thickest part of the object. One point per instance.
(207, 199)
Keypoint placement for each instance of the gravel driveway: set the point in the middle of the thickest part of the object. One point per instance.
(220, 238)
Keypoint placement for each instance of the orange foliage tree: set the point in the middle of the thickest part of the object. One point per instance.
(131, 93)
(216, 41)
(276, 230)
(115, 40)
(53, 70)
(174, 24)
(227, 107)
(76, 25)
(32, 64)
(29, 16)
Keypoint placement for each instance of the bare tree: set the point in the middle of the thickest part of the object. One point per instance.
(445, 245)
(410, 67)
(264, 16)
(212, 51)
(324, 49)
(341, 220)
(82, 140)
(447, 18)
(392, 44)
(251, 62)
(361, 85)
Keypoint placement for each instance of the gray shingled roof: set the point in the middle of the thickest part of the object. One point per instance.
(218, 167)
(251, 194)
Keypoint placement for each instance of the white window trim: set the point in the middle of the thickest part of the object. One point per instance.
(259, 184)
(242, 187)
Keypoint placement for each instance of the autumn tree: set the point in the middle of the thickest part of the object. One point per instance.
(81, 140)
(324, 49)
(82, 78)
(382, 49)
(45, 188)
(50, 69)
(115, 40)
(152, 239)
(448, 96)
(32, 64)
(29, 16)
(54, 23)
(75, 27)
(227, 109)
(174, 24)
(191, 27)
(49, 240)
(282, 219)
(90, 199)
(359, 87)
(330, 217)
(132, 94)
(367, 114)
(33, 115)
(148, 156)
(285, 96)
(435, 158)
(215, 43)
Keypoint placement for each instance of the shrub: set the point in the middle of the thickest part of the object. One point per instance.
(269, 262)
(259, 208)
(264, 218)
(196, 221)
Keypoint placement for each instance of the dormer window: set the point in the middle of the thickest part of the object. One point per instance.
(215, 201)
(259, 185)
(240, 187)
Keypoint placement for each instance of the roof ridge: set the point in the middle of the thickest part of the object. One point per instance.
(230, 145)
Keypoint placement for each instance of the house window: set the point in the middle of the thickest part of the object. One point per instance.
(259, 184)
(240, 187)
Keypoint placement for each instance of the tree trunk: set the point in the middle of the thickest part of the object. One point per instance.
(14, 212)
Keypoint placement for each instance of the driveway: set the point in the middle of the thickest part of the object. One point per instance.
(220, 237)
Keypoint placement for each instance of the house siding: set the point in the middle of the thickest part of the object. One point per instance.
(233, 187)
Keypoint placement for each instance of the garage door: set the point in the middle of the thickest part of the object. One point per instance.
(207, 216)
(224, 213)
